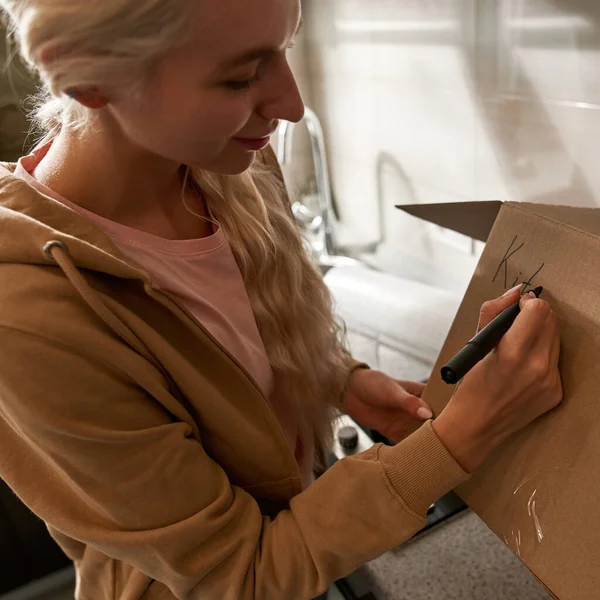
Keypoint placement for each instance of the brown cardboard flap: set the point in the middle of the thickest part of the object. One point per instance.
(549, 592)
(476, 219)
(473, 219)
(585, 219)
(540, 492)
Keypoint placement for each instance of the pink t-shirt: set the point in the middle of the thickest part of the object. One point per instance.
(204, 276)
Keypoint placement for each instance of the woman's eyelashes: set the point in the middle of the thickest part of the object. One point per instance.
(245, 84)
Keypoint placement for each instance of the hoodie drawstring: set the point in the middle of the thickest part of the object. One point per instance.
(57, 252)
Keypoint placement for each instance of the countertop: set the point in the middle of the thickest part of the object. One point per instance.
(460, 559)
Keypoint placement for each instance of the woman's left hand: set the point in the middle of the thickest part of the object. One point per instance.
(385, 404)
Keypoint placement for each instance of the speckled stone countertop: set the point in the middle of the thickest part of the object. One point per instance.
(460, 559)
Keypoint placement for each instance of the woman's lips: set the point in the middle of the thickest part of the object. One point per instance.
(254, 143)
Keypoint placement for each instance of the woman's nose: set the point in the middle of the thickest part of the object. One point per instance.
(285, 101)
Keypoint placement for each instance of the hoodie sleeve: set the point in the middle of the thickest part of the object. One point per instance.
(104, 464)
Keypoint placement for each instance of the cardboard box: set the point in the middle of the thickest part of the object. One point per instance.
(539, 492)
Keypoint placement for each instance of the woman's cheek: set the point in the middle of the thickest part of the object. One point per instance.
(233, 119)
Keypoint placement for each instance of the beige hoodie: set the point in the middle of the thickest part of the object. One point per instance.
(155, 460)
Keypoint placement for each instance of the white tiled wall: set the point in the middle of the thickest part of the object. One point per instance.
(449, 100)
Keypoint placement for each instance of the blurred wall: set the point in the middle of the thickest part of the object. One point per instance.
(16, 84)
(452, 100)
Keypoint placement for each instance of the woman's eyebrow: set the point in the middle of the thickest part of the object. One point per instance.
(250, 56)
(256, 53)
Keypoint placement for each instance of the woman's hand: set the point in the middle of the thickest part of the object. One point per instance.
(511, 387)
(377, 401)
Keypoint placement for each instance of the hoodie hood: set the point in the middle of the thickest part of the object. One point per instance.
(40, 231)
(30, 221)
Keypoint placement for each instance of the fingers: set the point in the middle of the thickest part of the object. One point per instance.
(416, 388)
(416, 408)
(529, 324)
(548, 341)
(492, 308)
(555, 350)
(544, 359)
(398, 396)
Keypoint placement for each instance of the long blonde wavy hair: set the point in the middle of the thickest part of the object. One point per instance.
(114, 45)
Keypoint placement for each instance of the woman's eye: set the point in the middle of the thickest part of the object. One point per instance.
(240, 85)
(244, 84)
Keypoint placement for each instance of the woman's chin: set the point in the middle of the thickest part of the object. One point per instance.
(232, 163)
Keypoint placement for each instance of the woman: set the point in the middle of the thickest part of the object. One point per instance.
(170, 359)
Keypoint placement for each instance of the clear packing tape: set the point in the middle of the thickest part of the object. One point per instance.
(536, 495)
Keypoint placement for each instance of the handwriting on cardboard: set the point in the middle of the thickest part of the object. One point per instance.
(508, 271)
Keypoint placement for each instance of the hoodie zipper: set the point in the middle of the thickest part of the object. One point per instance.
(210, 336)
(161, 292)
(158, 293)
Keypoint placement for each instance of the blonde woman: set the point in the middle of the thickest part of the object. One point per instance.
(169, 361)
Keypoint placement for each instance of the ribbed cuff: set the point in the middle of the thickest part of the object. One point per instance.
(358, 365)
(421, 469)
(352, 366)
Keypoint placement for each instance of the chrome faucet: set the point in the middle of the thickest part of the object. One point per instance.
(324, 223)
(321, 225)
(324, 198)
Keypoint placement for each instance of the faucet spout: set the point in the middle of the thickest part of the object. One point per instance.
(284, 142)
(324, 196)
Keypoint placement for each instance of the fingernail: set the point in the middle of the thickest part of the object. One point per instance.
(425, 413)
(511, 291)
(531, 294)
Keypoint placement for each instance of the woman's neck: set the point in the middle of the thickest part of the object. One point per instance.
(107, 176)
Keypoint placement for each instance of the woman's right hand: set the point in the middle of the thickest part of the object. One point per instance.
(516, 383)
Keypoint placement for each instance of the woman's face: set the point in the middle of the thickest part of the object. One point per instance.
(230, 84)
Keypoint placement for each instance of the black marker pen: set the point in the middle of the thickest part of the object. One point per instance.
(483, 343)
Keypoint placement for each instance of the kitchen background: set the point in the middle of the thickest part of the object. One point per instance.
(449, 100)
(425, 101)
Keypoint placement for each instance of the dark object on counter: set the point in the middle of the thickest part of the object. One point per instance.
(482, 344)
(348, 438)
